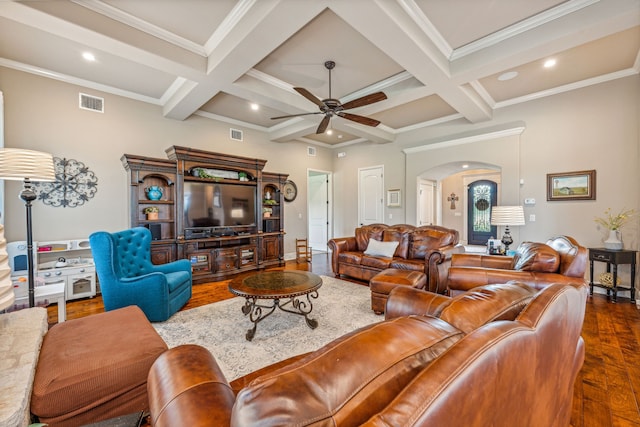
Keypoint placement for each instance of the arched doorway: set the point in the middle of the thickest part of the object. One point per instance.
(482, 195)
(455, 178)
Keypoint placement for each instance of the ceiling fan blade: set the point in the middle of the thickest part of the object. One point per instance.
(323, 124)
(302, 91)
(359, 119)
(365, 100)
(295, 115)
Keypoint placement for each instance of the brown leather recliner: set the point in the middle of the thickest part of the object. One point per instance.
(458, 362)
(559, 260)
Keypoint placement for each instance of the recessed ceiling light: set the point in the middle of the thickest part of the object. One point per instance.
(549, 63)
(508, 76)
(339, 136)
(254, 106)
(330, 132)
(465, 166)
(88, 56)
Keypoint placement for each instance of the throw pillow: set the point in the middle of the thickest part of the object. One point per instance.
(383, 249)
(533, 256)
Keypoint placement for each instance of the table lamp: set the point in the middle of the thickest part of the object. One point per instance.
(27, 166)
(507, 215)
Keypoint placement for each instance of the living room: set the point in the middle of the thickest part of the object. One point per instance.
(588, 124)
(590, 128)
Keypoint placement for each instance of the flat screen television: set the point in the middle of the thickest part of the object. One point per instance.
(212, 204)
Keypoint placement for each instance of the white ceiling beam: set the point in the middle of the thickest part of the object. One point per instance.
(373, 134)
(407, 44)
(292, 129)
(187, 64)
(566, 32)
(262, 28)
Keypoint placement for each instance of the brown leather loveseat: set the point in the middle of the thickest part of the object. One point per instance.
(500, 355)
(418, 249)
(560, 260)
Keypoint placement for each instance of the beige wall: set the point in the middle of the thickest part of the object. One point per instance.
(591, 128)
(43, 114)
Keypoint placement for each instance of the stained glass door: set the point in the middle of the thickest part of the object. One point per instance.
(481, 197)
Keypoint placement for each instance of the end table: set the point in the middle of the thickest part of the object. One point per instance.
(613, 259)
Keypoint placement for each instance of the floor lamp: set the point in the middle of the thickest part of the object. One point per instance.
(507, 215)
(28, 166)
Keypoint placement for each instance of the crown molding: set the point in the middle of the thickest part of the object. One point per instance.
(466, 140)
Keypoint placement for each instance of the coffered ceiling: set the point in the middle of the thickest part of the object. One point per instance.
(436, 60)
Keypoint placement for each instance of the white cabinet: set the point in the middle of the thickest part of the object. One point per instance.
(67, 261)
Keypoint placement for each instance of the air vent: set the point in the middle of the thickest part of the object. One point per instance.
(91, 103)
(235, 134)
(311, 151)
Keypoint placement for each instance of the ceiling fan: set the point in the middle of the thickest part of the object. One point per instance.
(332, 107)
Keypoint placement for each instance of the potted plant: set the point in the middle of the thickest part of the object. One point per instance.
(613, 223)
(266, 212)
(151, 212)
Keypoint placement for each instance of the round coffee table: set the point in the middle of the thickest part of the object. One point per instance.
(295, 288)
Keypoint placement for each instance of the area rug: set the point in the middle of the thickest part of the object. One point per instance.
(221, 327)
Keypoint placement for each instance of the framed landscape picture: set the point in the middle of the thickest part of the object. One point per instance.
(579, 185)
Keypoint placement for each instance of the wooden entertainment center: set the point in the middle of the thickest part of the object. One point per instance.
(221, 212)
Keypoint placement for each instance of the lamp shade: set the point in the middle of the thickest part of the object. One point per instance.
(507, 215)
(19, 164)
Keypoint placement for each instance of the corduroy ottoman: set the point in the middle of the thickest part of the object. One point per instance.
(382, 283)
(95, 368)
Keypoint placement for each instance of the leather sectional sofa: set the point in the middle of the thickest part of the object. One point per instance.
(560, 260)
(420, 249)
(499, 355)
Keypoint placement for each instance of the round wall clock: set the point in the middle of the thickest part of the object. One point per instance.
(290, 191)
(75, 184)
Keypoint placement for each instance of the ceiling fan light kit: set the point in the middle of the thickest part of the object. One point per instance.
(333, 107)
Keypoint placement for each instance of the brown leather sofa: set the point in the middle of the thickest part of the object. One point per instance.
(419, 249)
(560, 260)
(500, 355)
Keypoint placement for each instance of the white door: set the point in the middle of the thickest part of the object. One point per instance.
(370, 195)
(318, 199)
(426, 205)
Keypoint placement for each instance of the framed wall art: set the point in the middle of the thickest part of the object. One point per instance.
(580, 185)
(393, 198)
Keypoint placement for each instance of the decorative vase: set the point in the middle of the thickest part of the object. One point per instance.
(154, 192)
(613, 242)
(152, 216)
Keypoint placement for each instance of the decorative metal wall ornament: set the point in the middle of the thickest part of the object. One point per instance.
(75, 184)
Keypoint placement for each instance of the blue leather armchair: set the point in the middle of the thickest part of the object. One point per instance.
(127, 276)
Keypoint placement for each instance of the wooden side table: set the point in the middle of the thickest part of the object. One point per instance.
(613, 260)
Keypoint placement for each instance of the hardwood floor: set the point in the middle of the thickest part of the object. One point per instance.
(607, 390)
